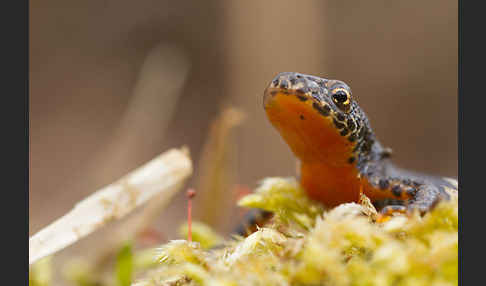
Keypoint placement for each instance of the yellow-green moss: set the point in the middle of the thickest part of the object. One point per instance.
(341, 246)
(308, 245)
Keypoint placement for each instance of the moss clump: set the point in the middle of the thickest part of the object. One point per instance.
(286, 199)
(342, 246)
(304, 244)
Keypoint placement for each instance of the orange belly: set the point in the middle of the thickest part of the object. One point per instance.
(334, 186)
(329, 185)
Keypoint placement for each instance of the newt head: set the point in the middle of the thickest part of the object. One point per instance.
(317, 117)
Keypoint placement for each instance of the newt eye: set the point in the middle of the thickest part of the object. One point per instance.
(341, 98)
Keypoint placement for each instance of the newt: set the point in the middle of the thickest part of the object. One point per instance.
(338, 151)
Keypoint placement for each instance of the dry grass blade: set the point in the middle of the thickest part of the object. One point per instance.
(216, 167)
(163, 175)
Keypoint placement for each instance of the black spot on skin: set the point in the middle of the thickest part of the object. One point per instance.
(338, 124)
(366, 146)
(407, 182)
(411, 192)
(293, 81)
(397, 191)
(302, 117)
(302, 97)
(275, 82)
(351, 160)
(384, 184)
(326, 108)
(298, 76)
(321, 110)
(352, 137)
(344, 132)
(362, 132)
(315, 94)
(351, 124)
(340, 116)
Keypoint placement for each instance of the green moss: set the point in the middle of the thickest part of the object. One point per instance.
(286, 199)
(308, 245)
(181, 251)
(341, 246)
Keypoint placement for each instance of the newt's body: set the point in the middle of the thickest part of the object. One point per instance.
(338, 151)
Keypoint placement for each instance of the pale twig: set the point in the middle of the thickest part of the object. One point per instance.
(163, 175)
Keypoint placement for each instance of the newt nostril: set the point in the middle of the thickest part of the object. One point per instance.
(284, 84)
(275, 82)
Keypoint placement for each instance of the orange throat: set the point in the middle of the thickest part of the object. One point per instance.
(327, 174)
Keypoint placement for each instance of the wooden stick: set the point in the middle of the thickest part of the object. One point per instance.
(164, 174)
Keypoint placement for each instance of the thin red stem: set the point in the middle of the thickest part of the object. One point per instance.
(189, 220)
(190, 194)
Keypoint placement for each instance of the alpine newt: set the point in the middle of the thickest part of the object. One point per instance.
(338, 151)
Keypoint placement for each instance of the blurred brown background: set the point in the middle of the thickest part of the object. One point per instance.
(115, 83)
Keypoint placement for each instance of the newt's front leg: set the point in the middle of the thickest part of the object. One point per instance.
(393, 195)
